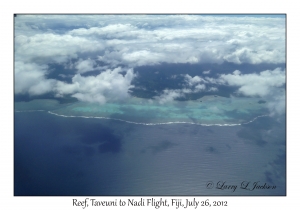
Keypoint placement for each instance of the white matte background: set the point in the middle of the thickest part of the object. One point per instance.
(8, 8)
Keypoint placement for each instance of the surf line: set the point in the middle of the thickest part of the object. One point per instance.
(30, 110)
(164, 123)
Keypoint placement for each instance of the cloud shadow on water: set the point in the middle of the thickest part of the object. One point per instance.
(254, 136)
(78, 150)
(276, 173)
(211, 150)
(256, 131)
(160, 147)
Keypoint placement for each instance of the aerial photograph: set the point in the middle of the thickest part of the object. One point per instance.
(149, 105)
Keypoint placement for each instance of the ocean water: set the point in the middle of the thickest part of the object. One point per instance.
(56, 155)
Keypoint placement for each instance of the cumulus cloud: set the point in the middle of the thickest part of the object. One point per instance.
(137, 40)
(110, 31)
(213, 89)
(198, 84)
(109, 85)
(30, 78)
(192, 85)
(277, 104)
(261, 84)
(191, 81)
(197, 40)
(268, 84)
(195, 83)
(84, 41)
(48, 47)
(85, 65)
(236, 72)
(199, 87)
(206, 72)
(168, 96)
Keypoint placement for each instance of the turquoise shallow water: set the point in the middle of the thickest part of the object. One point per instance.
(208, 110)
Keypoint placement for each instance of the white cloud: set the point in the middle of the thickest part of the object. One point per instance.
(267, 84)
(168, 96)
(261, 84)
(136, 40)
(110, 31)
(236, 72)
(199, 87)
(196, 82)
(85, 65)
(47, 47)
(213, 89)
(107, 86)
(193, 85)
(191, 81)
(214, 80)
(185, 90)
(30, 78)
(277, 104)
(42, 87)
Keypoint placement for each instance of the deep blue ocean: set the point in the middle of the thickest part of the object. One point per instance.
(75, 156)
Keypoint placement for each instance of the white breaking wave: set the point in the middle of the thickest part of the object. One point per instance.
(31, 111)
(139, 123)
